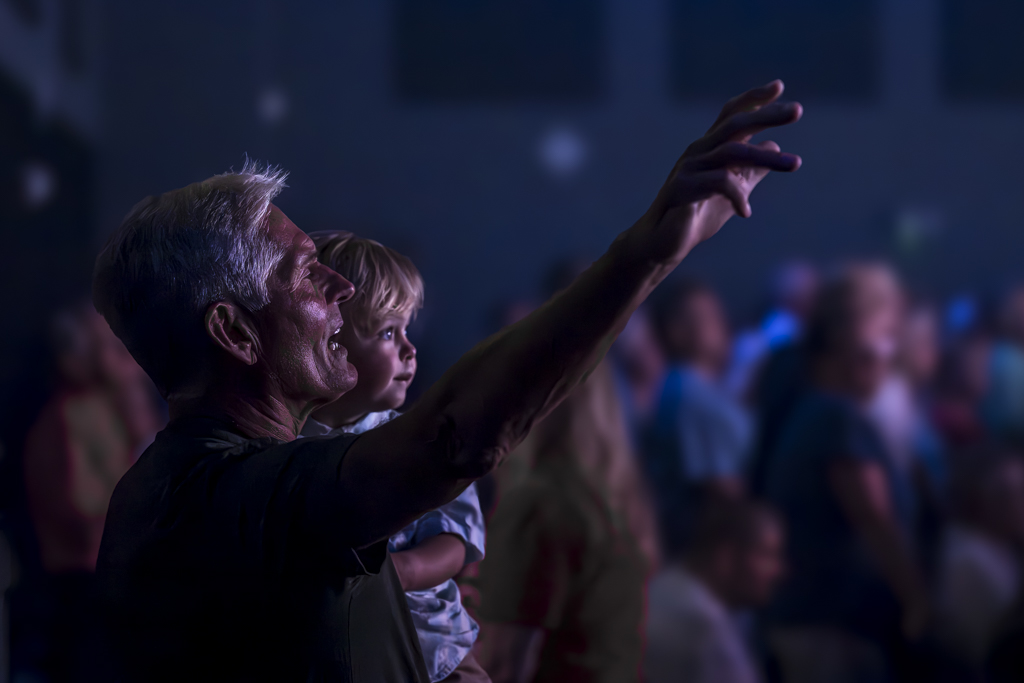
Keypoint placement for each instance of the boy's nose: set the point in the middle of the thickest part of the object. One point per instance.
(408, 351)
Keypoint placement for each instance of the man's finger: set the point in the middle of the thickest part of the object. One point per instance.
(752, 99)
(743, 125)
(735, 154)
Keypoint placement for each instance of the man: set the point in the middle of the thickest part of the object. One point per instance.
(697, 445)
(855, 595)
(734, 562)
(234, 552)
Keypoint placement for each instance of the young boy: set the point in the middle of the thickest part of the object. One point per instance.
(429, 552)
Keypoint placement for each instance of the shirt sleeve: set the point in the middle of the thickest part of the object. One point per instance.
(847, 435)
(526, 576)
(461, 517)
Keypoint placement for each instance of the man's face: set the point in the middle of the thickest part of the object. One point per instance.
(299, 329)
(385, 360)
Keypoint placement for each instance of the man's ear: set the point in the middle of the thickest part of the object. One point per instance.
(231, 329)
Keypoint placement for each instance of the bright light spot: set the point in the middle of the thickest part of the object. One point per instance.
(38, 184)
(562, 152)
(272, 105)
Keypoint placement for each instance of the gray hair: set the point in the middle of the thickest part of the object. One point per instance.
(176, 253)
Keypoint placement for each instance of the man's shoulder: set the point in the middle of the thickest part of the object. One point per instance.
(195, 477)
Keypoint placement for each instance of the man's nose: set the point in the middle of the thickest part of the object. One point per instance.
(337, 288)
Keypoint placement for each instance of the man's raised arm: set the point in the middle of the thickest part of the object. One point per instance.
(487, 402)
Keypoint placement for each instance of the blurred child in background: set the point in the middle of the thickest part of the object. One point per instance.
(733, 562)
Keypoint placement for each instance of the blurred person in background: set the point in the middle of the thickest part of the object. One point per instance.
(733, 562)
(917, 361)
(639, 370)
(961, 385)
(1003, 406)
(698, 443)
(100, 417)
(854, 591)
(979, 576)
(569, 550)
(794, 286)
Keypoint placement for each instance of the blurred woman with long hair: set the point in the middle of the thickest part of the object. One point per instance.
(569, 549)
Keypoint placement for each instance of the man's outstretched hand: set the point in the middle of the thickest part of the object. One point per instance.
(713, 179)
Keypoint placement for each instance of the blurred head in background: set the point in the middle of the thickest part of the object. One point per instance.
(738, 550)
(919, 349)
(795, 286)
(692, 327)
(853, 331)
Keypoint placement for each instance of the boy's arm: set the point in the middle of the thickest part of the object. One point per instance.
(431, 563)
(487, 402)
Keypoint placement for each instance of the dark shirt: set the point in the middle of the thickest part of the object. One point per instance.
(557, 560)
(779, 387)
(831, 579)
(226, 559)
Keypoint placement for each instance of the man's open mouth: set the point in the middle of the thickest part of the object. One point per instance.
(332, 342)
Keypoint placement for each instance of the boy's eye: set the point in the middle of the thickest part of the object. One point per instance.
(388, 334)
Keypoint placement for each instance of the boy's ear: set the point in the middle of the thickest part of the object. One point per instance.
(231, 329)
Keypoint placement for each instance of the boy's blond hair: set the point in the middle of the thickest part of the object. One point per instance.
(387, 283)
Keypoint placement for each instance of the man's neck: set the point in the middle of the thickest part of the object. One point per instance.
(253, 417)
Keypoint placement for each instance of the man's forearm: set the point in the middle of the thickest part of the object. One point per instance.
(507, 383)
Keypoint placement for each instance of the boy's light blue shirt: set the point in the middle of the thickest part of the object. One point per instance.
(445, 629)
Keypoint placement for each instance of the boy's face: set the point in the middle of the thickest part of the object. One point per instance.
(385, 361)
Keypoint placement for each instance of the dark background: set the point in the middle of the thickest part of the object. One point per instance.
(488, 138)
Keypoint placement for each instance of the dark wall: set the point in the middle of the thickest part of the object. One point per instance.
(894, 164)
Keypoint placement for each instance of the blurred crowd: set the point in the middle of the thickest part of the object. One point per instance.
(102, 412)
(834, 494)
